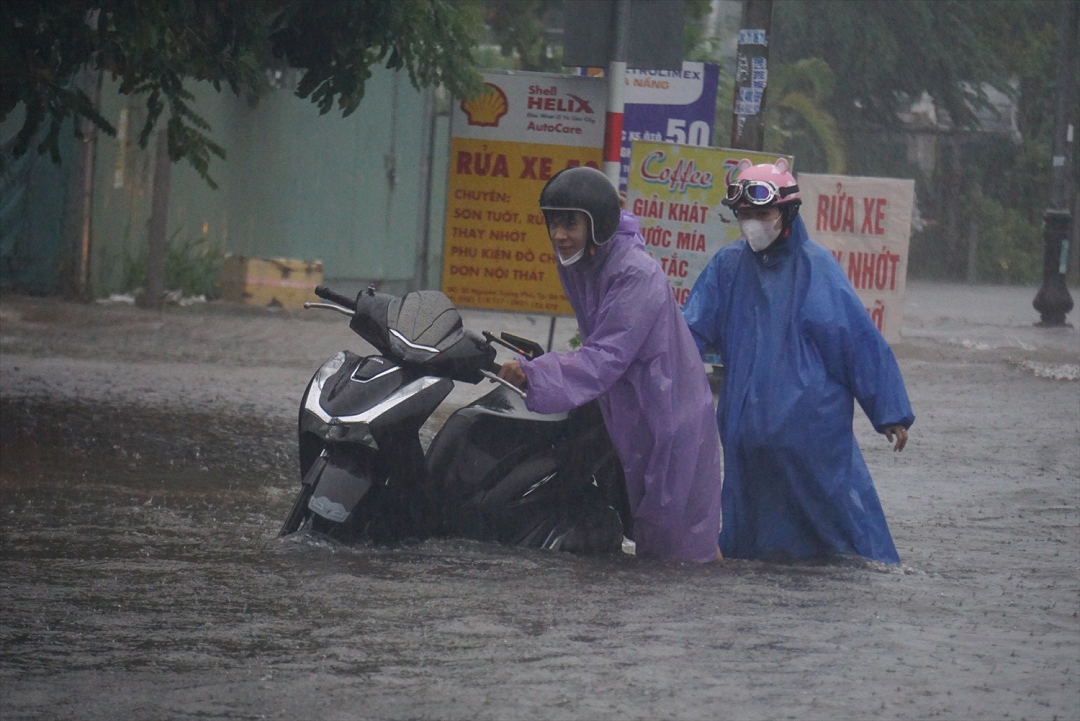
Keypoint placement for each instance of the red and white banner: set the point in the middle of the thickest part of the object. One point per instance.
(866, 223)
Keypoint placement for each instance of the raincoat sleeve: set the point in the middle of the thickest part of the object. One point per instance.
(704, 306)
(627, 313)
(855, 354)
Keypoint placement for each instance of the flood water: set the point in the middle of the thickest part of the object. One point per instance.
(141, 577)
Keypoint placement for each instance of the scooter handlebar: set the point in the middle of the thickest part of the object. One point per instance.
(323, 292)
(491, 376)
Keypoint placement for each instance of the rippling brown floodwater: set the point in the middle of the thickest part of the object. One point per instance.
(141, 578)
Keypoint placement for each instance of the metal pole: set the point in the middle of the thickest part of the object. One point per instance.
(427, 154)
(973, 236)
(1053, 300)
(613, 121)
(952, 196)
(751, 76)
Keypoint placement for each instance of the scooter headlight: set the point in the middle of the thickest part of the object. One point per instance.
(329, 368)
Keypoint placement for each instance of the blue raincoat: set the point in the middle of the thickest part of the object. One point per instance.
(797, 346)
(638, 358)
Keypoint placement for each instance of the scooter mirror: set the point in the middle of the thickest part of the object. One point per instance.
(528, 348)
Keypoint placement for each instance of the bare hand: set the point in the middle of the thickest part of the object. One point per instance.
(511, 372)
(897, 435)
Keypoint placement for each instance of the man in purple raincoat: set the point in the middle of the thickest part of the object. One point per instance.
(638, 358)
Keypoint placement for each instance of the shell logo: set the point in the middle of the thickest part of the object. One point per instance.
(488, 108)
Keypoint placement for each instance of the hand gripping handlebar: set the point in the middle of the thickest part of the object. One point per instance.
(491, 376)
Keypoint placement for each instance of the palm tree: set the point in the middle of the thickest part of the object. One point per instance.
(801, 126)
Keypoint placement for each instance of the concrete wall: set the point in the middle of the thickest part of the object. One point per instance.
(33, 193)
(352, 192)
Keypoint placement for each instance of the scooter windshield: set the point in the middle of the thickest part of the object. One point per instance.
(425, 319)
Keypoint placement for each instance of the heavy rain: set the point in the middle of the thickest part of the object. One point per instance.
(163, 223)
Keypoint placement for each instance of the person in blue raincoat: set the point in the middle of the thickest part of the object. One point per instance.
(798, 349)
(638, 358)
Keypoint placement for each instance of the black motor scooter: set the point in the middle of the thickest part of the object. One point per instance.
(495, 471)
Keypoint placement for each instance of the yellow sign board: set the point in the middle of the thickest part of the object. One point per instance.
(506, 144)
(497, 253)
(675, 191)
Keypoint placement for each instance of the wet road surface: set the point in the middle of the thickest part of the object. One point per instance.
(142, 579)
(146, 464)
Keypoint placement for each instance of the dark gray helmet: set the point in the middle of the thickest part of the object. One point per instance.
(588, 190)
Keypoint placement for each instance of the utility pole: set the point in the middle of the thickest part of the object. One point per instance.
(1053, 300)
(751, 76)
(621, 34)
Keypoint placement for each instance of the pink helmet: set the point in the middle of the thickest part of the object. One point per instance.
(762, 185)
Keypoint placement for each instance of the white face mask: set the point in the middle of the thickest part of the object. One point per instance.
(760, 234)
(572, 259)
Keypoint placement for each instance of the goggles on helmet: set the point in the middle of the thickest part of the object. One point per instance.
(756, 192)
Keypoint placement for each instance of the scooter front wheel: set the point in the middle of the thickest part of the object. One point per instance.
(299, 511)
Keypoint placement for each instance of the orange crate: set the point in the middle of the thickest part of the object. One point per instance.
(278, 282)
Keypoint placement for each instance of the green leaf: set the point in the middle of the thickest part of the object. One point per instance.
(158, 47)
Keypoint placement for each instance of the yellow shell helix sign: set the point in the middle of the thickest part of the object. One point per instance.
(506, 144)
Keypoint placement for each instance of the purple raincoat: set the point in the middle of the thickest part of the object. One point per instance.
(638, 357)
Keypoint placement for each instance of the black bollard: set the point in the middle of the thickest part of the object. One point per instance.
(1053, 300)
